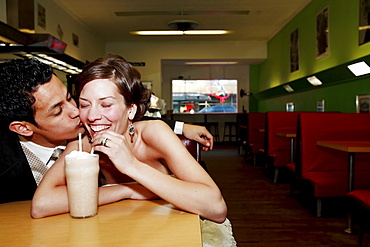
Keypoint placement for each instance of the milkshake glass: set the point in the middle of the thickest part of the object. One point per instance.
(82, 172)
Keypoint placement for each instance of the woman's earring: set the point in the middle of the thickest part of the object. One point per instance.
(131, 131)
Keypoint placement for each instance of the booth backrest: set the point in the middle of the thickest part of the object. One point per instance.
(314, 127)
(279, 146)
(256, 131)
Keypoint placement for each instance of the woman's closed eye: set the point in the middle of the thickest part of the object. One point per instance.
(106, 105)
(83, 105)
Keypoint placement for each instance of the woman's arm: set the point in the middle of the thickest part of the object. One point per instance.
(192, 190)
(51, 196)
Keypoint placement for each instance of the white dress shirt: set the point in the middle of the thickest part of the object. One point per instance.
(42, 153)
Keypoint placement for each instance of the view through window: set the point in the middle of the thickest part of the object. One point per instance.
(204, 96)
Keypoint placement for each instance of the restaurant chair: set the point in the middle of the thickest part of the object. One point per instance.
(230, 131)
(194, 149)
(212, 127)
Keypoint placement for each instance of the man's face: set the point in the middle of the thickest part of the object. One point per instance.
(57, 115)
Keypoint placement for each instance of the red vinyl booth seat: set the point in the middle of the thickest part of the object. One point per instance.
(278, 147)
(254, 131)
(335, 183)
(326, 168)
(362, 196)
(256, 122)
(360, 212)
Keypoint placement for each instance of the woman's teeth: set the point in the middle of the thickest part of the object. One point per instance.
(99, 128)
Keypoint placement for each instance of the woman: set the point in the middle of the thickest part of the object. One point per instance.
(112, 98)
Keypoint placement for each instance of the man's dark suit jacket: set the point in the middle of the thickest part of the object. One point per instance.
(16, 179)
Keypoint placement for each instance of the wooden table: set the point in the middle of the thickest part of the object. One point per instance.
(292, 136)
(125, 223)
(351, 147)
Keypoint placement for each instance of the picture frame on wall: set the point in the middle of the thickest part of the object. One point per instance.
(364, 22)
(290, 106)
(320, 105)
(41, 16)
(294, 51)
(322, 33)
(363, 103)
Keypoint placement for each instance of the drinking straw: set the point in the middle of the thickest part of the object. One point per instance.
(92, 150)
(79, 142)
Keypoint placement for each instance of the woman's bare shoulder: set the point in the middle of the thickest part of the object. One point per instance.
(150, 125)
(154, 130)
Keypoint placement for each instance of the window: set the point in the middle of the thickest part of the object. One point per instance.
(217, 95)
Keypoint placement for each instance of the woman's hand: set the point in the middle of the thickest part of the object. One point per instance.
(116, 147)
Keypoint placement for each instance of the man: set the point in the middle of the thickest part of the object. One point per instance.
(38, 115)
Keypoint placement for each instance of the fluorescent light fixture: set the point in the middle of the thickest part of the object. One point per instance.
(360, 68)
(206, 32)
(157, 32)
(55, 63)
(212, 63)
(6, 40)
(361, 28)
(314, 81)
(178, 32)
(288, 88)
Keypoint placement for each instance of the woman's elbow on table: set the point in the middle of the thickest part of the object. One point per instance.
(218, 213)
(37, 209)
(43, 206)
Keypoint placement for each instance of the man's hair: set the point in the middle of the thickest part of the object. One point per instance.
(19, 80)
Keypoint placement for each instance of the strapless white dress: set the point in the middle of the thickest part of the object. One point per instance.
(217, 235)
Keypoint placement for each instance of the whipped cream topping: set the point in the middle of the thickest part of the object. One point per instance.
(80, 155)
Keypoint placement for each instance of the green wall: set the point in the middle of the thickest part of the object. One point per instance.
(339, 95)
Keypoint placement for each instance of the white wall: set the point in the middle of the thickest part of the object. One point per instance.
(3, 11)
(90, 45)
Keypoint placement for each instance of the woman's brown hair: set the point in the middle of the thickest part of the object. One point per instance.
(124, 75)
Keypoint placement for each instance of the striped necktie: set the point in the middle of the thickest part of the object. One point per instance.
(56, 154)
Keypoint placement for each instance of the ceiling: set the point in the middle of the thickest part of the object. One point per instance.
(257, 20)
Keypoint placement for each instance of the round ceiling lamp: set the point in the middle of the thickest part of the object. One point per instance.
(183, 25)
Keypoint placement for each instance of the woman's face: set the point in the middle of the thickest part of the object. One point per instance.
(102, 107)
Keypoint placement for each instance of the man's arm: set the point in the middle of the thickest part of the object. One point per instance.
(193, 132)
(199, 134)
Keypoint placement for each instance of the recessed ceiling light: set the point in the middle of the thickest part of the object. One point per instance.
(288, 88)
(360, 68)
(314, 81)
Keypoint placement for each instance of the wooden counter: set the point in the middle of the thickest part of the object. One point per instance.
(126, 223)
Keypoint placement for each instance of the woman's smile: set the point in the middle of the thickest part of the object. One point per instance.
(97, 128)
